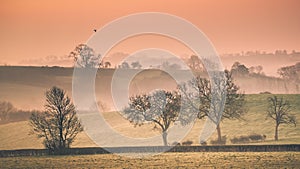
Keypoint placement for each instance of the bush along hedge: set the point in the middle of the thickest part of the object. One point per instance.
(248, 138)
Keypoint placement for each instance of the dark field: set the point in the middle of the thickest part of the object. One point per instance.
(165, 160)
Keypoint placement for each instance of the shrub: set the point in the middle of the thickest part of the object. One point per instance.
(187, 143)
(234, 140)
(257, 137)
(175, 143)
(246, 139)
(266, 92)
(216, 141)
(204, 143)
(240, 139)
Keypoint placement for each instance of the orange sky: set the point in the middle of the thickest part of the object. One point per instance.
(31, 29)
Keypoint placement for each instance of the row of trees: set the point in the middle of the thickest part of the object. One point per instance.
(149, 108)
(85, 57)
(9, 113)
(256, 53)
(291, 73)
(58, 125)
(239, 69)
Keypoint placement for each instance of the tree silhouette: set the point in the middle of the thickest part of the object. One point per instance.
(5, 109)
(234, 105)
(239, 69)
(278, 110)
(85, 57)
(291, 73)
(256, 70)
(58, 125)
(195, 63)
(161, 108)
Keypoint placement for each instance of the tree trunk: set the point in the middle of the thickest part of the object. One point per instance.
(164, 136)
(219, 134)
(61, 136)
(276, 132)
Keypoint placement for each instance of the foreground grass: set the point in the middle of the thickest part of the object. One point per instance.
(165, 160)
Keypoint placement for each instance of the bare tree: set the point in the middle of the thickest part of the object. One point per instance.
(210, 107)
(58, 125)
(239, 69)
(161, 108)
(278, 110)
(291, 73)
(256, 70)
(195, 63)
(5, 109)
(85, 57)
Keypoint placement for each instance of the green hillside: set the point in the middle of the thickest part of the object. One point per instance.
(256, 121)
(15, 135)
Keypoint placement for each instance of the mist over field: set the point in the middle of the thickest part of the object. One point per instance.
(25, 86)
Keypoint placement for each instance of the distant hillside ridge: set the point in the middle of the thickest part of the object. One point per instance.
(25, 86)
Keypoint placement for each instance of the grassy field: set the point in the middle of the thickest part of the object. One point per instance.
(16, 135)
(28, 94)
(165, 160)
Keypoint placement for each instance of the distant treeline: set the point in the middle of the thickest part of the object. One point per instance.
(8, 113)
(19, 115)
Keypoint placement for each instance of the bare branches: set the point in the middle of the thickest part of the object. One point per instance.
(278, 110)
(235, 101)
(161, 108)
(5, 109)
(85, 57)
(213, 94)
(58, 125)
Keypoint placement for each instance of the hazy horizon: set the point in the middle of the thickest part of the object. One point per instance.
(32, 30)
(270, 62)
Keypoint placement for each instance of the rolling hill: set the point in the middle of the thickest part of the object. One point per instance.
(25, 86)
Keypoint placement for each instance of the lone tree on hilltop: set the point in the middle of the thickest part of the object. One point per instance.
(58, 125)
(278, 110)
(161, 108)
(85, 56)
